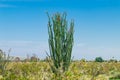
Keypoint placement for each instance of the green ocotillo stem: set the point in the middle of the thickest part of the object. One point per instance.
(60, 41)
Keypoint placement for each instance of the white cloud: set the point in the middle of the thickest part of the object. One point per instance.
(6, 6)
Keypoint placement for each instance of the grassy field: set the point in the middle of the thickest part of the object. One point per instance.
(78, 70)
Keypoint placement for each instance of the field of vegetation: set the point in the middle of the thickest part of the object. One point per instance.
(78, 70)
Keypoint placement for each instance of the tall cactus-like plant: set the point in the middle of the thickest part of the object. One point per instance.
(60, 41)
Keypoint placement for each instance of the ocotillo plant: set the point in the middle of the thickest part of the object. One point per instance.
(60, 42)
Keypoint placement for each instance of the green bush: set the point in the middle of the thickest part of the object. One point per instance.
(99, 59)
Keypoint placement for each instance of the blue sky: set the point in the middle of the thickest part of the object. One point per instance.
(23, 26)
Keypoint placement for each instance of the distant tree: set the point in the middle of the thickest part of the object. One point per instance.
(99, 59)
(34, 58)
(112, 60)
(17, 59)
(26, 60)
